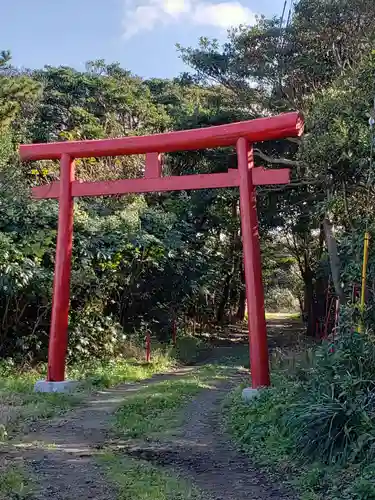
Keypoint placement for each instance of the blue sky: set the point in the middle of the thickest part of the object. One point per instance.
(140, 34)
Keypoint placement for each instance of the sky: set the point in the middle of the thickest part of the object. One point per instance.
(139, 34)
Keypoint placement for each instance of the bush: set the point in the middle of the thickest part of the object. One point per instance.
(94, 336)
(318, 421)
(333, 419)
(190, 350)
(259, 426)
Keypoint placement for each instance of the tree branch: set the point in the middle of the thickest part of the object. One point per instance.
(279, 161)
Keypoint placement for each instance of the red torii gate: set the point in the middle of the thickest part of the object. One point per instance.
(246, 177)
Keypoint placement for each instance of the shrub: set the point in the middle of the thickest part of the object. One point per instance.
(94, 336)
(190, 350)
(318, 420)
(333, 419)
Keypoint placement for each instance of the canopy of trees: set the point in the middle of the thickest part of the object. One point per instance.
(145, 260)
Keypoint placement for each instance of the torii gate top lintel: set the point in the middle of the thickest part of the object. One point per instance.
(260, 129)
(246, 177)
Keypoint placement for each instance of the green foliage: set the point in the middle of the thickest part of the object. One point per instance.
(259, 428)
(318, 421)
(17, 91)
(334, 421)
(190, 350)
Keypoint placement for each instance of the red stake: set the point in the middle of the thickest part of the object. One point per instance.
(148, 347)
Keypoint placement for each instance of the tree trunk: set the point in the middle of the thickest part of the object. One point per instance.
(240, 315)
(308, 303)
(224, 299)
(333, 259)
(231, 258)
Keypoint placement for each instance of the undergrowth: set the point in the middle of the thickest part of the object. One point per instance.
(190, 350)
(317, 422)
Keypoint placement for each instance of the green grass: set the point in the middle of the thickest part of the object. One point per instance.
(107, 374)
(15, 484)
(157, 409)
(138, 480)
(257, 426)
(260, 429)
(19, 403)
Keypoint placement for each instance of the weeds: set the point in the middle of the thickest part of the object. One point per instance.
(138, 480)
(14, 483)
(317, 421)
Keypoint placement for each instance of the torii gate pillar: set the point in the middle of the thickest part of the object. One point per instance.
(253, 268)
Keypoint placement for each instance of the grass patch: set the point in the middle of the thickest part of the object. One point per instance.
(138, 480)
(157, 409)
(100, 374)
(15, 484)
(18, 402)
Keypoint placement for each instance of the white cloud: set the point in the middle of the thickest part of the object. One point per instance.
(146, 15)
(175, 8)
(223, 14)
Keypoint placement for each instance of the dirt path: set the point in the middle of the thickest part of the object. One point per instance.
(61, 453)
(204, 453)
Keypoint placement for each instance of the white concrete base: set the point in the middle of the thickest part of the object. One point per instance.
(248, 394)
(65, 387)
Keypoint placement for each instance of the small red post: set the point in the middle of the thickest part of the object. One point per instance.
(174, 332)
(148, 347)
(253, 268)
(58, 343)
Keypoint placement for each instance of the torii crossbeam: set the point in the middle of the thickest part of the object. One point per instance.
(246, 177)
